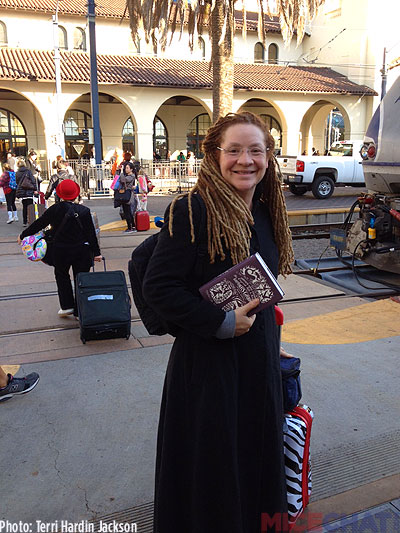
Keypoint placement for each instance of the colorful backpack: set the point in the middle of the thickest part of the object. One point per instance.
(13, 182)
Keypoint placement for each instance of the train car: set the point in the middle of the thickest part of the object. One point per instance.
(375, 236)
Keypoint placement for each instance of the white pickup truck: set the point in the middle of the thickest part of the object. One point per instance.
(321, 174)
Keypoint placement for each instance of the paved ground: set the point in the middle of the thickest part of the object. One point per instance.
(81, 446)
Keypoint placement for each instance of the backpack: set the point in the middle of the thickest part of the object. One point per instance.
(137, 267)
(13, 183)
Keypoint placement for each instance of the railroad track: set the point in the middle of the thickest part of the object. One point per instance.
(314, 231)
(74, 325)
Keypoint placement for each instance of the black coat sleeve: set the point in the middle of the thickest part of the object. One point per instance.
(169, 281)
(46, 219)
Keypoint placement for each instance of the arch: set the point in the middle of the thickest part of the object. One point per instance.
(3, 34)
(260, 107)
(13, 135)
(202, 46)
(177, 112)
(273, 54)
(259, 53)
(76, 126)
(160, 138)
(129, 136)
(79, 39)
(196, 133)
(313, 125)
(62, 38)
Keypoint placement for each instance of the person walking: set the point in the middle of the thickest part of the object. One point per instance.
(9, 193)
(75, 243)
(26, 188)
(34, 167)
(61, 174)
(220, 461)
(127, 180)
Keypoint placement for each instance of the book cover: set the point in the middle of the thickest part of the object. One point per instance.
(242, 283)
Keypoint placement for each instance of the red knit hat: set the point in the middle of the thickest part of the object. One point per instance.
(68, 190)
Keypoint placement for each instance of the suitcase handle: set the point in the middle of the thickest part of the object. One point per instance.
(104, 264)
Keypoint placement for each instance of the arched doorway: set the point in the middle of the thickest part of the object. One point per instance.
(129, 137)
(76, 127)
(12, 135)
(178, 126)
(323, 123)
(196, 132)
(160, 138)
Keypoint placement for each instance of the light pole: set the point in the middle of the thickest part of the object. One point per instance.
(94, 89)
(57, 67)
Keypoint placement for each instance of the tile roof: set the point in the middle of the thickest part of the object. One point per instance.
(105, 8)
(116, 9)
(135, 70)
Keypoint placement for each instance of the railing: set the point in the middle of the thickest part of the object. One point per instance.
(167, 176)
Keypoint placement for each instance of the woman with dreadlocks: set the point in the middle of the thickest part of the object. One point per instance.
(220, 463)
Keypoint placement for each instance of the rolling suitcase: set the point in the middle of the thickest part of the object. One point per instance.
(142, 220)
(104, 306)
(35, 210)
(296, 447)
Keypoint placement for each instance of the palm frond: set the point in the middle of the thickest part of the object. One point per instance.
(158, 17)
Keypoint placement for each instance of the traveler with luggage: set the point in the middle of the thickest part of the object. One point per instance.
(75, 242)
(26, 188)
(220, 460)
(124, 195)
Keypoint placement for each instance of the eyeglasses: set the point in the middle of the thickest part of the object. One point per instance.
(237, 152)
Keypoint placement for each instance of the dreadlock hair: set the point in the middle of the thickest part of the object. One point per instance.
(228, 217)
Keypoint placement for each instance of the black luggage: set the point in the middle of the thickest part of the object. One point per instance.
(104, 307)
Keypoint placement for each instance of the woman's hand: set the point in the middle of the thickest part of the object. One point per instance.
(244, 322)
(284, 353)
(19, 240)
(98, 258)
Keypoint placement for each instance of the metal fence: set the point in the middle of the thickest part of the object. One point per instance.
(166, 176)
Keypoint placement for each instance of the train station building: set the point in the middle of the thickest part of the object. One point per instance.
(154, 101)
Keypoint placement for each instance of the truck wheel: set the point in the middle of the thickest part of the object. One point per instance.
(298, 191)
(323, 187)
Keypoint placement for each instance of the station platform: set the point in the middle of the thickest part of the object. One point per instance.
(81, 446)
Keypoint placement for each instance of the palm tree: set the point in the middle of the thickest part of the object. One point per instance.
(157, 17)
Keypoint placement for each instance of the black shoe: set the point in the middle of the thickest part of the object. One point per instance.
(19, 385)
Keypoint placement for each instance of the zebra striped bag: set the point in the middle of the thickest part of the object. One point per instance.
(296, 445)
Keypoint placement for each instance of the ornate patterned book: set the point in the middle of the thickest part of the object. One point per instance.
(242, 283)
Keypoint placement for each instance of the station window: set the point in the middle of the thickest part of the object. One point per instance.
(128, 137)
(196, 132)
(160, 138)
(62, 38)
(79, 39)
(259, 53)
(273, 54)
(12, 135)
(202, 47)
(3, 34)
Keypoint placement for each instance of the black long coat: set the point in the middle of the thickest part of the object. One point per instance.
(220, 450)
